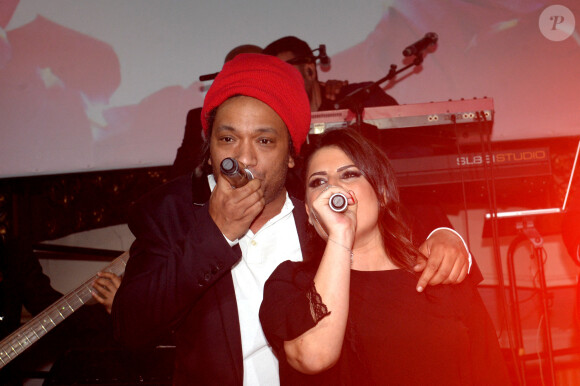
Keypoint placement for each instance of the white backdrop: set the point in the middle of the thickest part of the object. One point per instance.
(90, 85)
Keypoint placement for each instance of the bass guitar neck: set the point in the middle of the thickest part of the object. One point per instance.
(25, 336)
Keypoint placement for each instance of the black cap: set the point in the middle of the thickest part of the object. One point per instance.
(300, 49)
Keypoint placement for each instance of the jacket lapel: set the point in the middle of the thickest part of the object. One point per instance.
(226, 299)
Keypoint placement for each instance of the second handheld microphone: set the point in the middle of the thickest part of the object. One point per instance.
(236, 174)
(338, 202)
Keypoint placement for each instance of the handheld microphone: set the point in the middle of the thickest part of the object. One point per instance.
(338, 202)
(421, 45)
(237, 176)
(323, 57)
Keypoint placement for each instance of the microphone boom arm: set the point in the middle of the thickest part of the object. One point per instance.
(355, 100)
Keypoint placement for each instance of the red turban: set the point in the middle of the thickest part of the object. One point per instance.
(268, 79)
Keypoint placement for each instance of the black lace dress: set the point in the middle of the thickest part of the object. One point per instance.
(395, 336)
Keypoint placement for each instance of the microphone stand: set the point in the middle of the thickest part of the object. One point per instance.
(355, 100)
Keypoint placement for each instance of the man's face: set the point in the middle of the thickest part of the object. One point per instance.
(286, 56)
(307, 70)
(251, 132)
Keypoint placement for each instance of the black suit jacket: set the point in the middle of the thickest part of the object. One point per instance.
(179, 277)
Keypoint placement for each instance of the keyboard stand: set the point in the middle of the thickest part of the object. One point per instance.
(528, 232)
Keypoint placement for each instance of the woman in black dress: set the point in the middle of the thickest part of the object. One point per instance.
(354, 316)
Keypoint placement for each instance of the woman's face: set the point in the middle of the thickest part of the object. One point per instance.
(330, 165)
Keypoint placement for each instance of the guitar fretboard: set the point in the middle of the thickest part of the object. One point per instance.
(21, 339)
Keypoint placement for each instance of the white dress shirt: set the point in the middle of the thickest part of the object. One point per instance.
(275, 242)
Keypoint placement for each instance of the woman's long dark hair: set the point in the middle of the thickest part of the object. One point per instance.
(376, 168)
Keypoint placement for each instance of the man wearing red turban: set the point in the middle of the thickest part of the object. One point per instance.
(201, 256)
